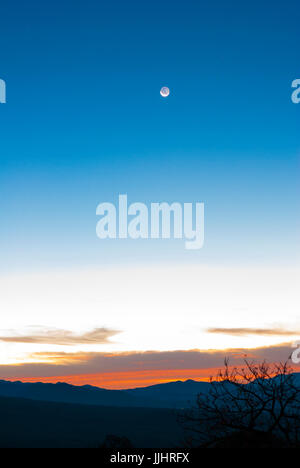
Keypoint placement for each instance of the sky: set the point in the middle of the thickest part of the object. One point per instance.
(84, 122)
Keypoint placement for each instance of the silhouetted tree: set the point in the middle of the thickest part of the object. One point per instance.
(115, 442)
(257, 405)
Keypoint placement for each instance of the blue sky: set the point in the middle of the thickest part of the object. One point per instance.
(84, 121)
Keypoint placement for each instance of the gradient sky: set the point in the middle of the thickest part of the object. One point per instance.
(84, 122)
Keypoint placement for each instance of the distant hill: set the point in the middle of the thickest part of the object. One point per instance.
(170, 395)
(37, 424)
(174, 394)
(62, 415)
(65, 393)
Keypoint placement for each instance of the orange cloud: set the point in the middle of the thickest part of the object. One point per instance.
(253, 331)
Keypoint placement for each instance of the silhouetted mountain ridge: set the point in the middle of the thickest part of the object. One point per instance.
(177, 394)
(169, 395)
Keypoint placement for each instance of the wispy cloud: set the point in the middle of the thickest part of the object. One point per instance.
(53, 336)
(254, 331)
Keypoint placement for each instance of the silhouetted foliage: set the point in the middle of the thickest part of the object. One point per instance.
(115, 442)
(257, 405)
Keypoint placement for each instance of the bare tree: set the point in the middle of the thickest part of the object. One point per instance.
(256, 404)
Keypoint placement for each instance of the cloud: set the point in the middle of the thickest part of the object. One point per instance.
(53, 336)
(205, 363)
(253, 331)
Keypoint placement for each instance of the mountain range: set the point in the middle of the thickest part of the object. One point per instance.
(170, 395)
(61, 415)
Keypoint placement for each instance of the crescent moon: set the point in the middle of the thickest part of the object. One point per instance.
(164, 92)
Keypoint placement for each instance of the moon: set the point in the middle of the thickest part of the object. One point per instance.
(164, 92)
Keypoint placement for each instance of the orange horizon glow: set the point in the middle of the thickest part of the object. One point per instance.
(126, 380)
